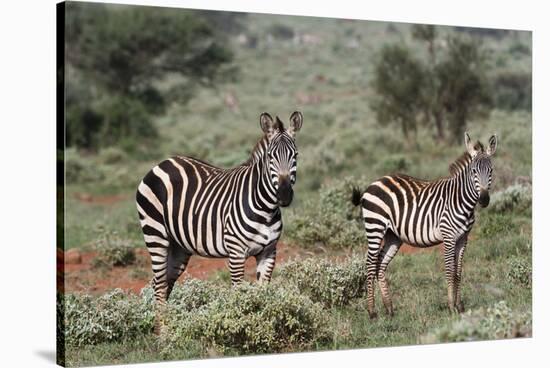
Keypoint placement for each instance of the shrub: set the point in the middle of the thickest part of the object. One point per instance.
(326, 282)
(331, 221)
(394, 164)
(114, 251)
(114, 316)
(281, 31)
(496, 322)
(513, 199)
(519, 271)
(80, 170)
(248, 319)
(112, 155)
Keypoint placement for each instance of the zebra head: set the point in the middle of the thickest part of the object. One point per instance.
(282, 154)
(481, 167)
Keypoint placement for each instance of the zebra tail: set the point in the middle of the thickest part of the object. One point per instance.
(356, 196)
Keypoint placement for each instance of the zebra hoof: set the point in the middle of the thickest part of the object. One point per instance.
(460, 307)
(373, 315)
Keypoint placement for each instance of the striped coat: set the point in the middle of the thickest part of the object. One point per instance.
(188, 207)
(399, 208)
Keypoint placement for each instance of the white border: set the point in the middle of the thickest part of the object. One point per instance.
(28, 179)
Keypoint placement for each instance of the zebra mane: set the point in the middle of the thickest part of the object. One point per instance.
(464, 160)
(257, 151)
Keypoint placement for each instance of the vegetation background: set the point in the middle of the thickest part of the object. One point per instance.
(144, 84)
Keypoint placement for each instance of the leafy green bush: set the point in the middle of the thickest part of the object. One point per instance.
(326, 282)
(248, 319)
(114, 316)
(114, 251)
(112, 155)
(80, 170)
(496, 322)
(513, 199)
(281, 31)
(330, 221)
(394, 164)
(513, 90)
(519, 271)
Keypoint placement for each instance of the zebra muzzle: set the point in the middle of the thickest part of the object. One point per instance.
(285, 193)
(484, 198)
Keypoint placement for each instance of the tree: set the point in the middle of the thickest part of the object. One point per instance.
(448, 89)
(398, 81)
(130, 62)
(464, 86)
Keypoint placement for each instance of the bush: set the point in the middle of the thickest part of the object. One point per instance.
(114, 251)
(519, 271)
(331, 221)
(513, 90)
(281, 31)
(112, 155)
(115, 316)
(248, 319)
(80, 170)
(513, 199)
(496, 322)
(326, 282)
(394, 164)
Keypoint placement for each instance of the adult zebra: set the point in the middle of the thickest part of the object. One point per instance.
(399, 208)
(188, 207)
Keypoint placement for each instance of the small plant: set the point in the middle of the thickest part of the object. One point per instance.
(514, 198)
(114, 251)
(331, 221)
(328, 283)
(248, 319)
(495, 322)
(519, 271)
(115, 316)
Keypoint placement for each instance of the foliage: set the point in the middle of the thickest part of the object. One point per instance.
(119, 57)
(448, 90)
(249, 319)
(114, 316)
(281, 31)
(513, 90)
(398, 82)
(496, 322)
(112, 250)
(519, 271)
(515, 198)
(80, 170)
(331, 284)
(330, 221)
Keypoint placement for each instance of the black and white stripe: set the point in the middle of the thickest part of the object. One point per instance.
(399, 208)
(188, 207)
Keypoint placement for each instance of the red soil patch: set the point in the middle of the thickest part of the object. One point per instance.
(409, 249)
(99, 199)
(84, 277)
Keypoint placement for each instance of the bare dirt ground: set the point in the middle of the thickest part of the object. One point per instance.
(84, 277)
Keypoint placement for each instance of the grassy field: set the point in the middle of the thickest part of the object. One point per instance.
(326, 76)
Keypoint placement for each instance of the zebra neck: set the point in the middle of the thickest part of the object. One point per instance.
(264, 194)
(465, 190)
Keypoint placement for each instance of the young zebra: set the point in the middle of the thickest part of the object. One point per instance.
(399, 208)
(188, 207)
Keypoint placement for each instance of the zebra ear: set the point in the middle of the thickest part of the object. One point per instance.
(491, 149)
(266, 123)
(296, 120)
(469, 146)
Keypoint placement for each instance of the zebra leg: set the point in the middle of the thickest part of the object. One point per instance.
(450, 271)
(459, 256)
(391, 246)
(236, 266)
(265, 262)
(374, 240)
(178, 258)
(158, 250)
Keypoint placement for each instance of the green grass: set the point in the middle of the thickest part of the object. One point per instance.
(339, 138)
